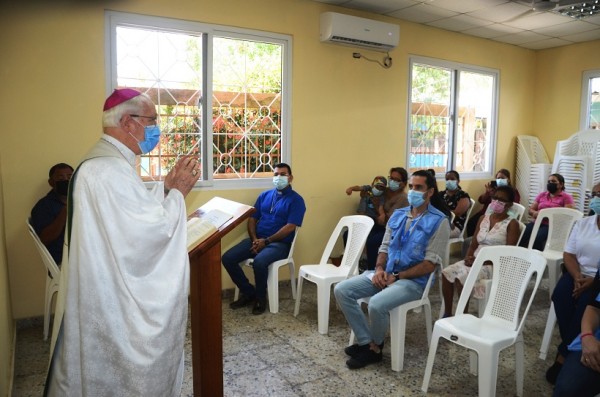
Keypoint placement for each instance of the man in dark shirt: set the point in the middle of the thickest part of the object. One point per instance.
(49, 215)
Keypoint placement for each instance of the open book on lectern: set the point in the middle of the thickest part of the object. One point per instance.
(199, 229)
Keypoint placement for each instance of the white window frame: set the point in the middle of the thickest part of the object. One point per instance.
(113, 19)
(493, 125)
(586, 88)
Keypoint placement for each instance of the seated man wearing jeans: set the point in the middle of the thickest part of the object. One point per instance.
(415, 241)
(271, 229)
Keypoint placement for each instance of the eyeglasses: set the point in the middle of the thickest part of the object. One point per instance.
(593, 194)
(152, 119)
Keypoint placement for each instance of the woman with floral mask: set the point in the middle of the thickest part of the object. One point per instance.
(502, 179)
(457, 200)
(572, 291)
(554, 197)
(496, 228)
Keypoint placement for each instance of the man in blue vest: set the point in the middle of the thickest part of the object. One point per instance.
(415, 241)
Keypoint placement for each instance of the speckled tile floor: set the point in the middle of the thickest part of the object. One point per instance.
(279, 355)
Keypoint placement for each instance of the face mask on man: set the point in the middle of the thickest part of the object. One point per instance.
(394, 185)
(501, 182)
(451, 184)
(595, 205)
(151, 138)
(62, 187)
(552, 187)
(497, 206)
(280, 182)
(416, 199)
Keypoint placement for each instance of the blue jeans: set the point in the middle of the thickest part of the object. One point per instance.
(382, 301)
(569, 310)
(240, 252)
(575, 379)
(540, 239)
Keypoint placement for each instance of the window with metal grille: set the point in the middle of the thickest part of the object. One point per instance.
(452, 117)
(590, 100)
(220, 93)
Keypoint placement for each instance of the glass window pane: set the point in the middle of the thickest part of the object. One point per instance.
(475, 106)
(594, 101)
(429, 118)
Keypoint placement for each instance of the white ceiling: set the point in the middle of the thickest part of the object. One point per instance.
(512, 22)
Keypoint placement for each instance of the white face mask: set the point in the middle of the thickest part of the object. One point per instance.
(280, 182)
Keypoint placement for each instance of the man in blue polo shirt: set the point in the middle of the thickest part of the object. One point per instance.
(271, 229)
(49, 215)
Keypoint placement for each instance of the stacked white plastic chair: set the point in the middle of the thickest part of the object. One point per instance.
(532, 170)
(577, 159)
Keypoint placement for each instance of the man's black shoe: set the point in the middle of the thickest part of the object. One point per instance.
(260, 306)
(241, 302)
(364, 357)
(353, 350)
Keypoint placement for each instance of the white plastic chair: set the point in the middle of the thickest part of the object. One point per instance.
(517, 211)
(326, 274)
(52, 277)
(560, 223)
(273, 277)
(398, 324)
(500, 326)
(461, 237)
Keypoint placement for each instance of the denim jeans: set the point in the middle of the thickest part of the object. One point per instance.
(382, 301)
(575, 379)
(240, 252)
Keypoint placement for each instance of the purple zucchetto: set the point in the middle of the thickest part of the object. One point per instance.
(120, 96)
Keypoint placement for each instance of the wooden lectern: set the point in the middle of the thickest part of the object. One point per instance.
(205, 298)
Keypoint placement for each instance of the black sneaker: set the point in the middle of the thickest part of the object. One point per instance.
(552, 372)
(242, 301)
(353, 350)
(364, 358)
(260, 305)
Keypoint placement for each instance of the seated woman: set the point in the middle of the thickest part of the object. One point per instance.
(502, 179)
(496, 228)
(573, 289)
(581, 373)
(553, 197)
(457, 201)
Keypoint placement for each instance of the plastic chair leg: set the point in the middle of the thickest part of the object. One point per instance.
(473, 362)
(397, 337)
(550, 322)
(351, 341)
(298, 295)
(292, 278)
(323, 297)
(430, 359)
(47, 308)
(236, 294)
(553, 273)
(488, 372)
(519, 364)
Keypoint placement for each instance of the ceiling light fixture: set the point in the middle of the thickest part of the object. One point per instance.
(581, 10)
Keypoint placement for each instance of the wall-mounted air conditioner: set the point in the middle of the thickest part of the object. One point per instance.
(358, 32)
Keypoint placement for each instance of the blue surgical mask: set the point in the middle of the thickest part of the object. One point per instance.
(151, 137)
(376, 192)
(393, 185)
(416, 199)
(501, 182)
(280, 182)
(595, 205)
(451, 184)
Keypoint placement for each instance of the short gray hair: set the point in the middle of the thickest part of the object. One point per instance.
(112, 116)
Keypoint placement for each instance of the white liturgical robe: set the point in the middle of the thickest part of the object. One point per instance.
(124, 286)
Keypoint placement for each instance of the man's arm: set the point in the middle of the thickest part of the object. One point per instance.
(54, 229)
(252, 228)
(258, 244)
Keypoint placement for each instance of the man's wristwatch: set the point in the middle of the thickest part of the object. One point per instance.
(267, 241)
(396, 275)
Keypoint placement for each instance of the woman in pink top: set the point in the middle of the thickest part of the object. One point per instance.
(553, 197)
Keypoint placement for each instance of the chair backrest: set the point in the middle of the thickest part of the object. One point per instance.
(291, 253)
(521, 231)
(471, 206)
(517, 211)
(513, 267)
(46, 257)
(560, 223)
(358, 227)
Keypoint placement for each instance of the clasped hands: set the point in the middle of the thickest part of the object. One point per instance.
(381, 279)
(184, 175)
(258, 245)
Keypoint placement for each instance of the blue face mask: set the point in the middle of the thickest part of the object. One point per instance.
(376, 192)
(416, 199)
(501, 182)
(595, 205)
(451, 184)
(280, 182)
(393, 185)
(151, 137)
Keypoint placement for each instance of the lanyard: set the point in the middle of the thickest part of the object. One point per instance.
(408, 228)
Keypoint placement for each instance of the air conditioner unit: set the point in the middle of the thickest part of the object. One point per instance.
(358, 32)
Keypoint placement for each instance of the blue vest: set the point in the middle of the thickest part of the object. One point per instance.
(407, 247)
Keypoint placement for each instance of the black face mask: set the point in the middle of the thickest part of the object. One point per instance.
(552, 187)
(62, 187)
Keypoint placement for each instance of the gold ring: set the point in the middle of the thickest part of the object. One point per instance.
(194, 173)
